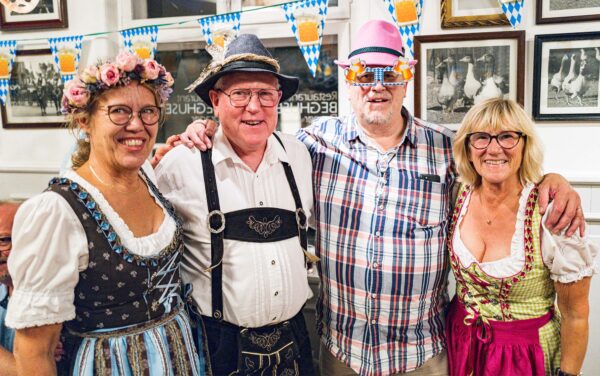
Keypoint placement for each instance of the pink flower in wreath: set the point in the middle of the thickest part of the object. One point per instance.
(109, 74)
(126, 61)
(76, 93)
(151, 70)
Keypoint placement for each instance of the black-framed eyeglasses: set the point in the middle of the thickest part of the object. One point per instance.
(121, 114)
(5, 242)
(506, 139)
(241, 97)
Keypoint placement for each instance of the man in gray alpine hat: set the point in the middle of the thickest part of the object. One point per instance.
(245, 207)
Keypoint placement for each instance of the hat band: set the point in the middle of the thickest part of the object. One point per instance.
(386, 50)
(249, 64)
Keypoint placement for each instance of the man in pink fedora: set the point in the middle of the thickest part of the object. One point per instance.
(382, 183)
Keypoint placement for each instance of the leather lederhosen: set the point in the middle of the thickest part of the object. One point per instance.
(255, 225)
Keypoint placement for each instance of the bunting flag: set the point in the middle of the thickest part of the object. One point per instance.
(407, 15)
(512, 9)
(307, 20)
(8, 49)
(141, 41)
(220, 29)
(66, 52)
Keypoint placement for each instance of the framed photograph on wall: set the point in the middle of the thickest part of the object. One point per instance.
(554, 11)
(456, 71)
(33, 14)
(35, 92)
(472, 13)
(566, 76)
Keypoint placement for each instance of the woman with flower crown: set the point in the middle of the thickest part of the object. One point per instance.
(97, 254)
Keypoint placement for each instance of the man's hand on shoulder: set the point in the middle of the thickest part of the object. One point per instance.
(566, 210)
(199, 134)
(162, 150)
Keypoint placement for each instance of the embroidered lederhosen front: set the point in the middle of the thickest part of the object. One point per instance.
(255, 225)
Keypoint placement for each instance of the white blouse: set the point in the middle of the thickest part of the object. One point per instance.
(569, 259)
(50, 249)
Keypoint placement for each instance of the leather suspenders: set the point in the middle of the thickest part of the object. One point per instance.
(251, 225)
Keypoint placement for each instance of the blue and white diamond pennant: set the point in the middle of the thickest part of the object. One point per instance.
(407, 24)
(307, 20)
(513, 10)
(7, 58)
(67, 53)
(141, 41)
(217, 28)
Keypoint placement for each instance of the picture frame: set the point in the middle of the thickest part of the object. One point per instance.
(566, 77)
(558, 11)
(455, 71)
(35, 92)
(471, 13)
(47, 14)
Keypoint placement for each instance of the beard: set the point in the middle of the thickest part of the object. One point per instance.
(377, 118)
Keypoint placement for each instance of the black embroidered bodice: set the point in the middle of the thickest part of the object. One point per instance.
(119, 288)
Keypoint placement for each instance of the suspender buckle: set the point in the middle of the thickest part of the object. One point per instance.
(221, 219)
(301, 219)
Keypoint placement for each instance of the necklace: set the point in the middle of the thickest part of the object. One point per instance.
(96, 175)
(489, 221)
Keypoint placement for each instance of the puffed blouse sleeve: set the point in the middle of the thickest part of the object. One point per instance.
(49, 250)
(569, 259)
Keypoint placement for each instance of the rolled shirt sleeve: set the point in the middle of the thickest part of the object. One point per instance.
(569, 259)
(49, 250)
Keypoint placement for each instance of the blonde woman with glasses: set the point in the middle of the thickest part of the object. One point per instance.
(509, 268)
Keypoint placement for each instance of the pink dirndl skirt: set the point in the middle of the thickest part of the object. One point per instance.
(493, 348)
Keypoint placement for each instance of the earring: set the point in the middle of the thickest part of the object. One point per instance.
(84, 136)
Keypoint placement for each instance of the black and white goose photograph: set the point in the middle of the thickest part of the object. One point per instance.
(566, 76)
(452, 76)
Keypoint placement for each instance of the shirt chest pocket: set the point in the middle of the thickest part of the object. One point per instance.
(423, 199)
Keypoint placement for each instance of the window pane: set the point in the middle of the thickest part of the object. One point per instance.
(172, 8)
(317, 96)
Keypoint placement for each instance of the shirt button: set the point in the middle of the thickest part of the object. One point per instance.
(373, 296)
(274, 318)
(260, 203)
(375, 265)
(381, 207)
(272, 262)
(276, 293)
(373, 322)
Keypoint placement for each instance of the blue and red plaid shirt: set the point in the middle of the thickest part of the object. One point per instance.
(382, 221)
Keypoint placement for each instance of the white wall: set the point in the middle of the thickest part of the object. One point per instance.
(28, 158)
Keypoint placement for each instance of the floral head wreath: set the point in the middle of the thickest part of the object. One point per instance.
(95, 79)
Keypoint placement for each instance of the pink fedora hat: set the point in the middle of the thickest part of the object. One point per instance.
(377, 42)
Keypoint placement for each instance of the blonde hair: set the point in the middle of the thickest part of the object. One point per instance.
(497, 115)
(84, 115)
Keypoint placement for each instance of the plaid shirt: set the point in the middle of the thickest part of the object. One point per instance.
(382, 221)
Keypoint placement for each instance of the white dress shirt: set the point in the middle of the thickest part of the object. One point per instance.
(263, 283)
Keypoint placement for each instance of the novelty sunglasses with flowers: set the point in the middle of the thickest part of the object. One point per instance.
(358, 74)
(95, 79)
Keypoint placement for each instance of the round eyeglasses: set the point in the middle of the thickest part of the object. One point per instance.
(241, 97)
(506, 139)
(121, 114)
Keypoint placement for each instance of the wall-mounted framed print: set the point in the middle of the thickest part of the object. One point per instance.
(33, 14)
(554, 11)
(472, 13)
(456, 71)
(35, 92)
(566, 71)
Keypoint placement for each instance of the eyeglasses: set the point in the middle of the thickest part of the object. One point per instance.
(121, 114)
(506, 139)
(387, 76)
(241, 97)
(5, 243)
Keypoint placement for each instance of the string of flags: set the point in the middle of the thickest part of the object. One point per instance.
(306, 19)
